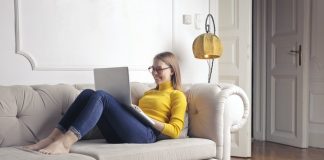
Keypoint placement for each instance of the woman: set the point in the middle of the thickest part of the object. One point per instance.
(165, 104)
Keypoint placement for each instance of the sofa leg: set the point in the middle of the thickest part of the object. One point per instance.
(227, 135)
(227, 141)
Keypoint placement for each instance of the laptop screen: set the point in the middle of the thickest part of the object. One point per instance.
(115, 81)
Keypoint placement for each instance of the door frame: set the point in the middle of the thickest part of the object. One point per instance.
(235, 67)
(259, 62)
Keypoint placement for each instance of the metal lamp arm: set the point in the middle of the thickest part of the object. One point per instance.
(207, 25)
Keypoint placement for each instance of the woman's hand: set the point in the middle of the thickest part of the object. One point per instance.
(158, 125)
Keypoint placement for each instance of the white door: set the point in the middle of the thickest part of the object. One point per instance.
(287, 84)
(235, 64)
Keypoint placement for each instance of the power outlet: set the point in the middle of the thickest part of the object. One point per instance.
(186, 19)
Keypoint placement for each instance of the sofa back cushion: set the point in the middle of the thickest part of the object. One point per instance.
(29, 113)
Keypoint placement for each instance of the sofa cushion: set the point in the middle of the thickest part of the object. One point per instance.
(11, 153)
(187, 148)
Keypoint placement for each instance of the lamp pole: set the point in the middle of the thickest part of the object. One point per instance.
(208, 45)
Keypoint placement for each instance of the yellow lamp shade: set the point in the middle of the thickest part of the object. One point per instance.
(207, 46)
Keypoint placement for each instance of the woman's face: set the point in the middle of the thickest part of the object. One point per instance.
(161, 72)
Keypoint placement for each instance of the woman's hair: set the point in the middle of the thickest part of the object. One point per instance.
(171, 60)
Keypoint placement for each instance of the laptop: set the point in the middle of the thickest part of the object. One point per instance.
(115, 81)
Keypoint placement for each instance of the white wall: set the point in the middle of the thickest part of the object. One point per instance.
(57, 60)
(194, 70)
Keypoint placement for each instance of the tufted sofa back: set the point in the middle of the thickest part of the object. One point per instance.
(29, 113)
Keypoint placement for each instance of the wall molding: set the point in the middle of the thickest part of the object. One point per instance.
(37, 67)
(30, 59)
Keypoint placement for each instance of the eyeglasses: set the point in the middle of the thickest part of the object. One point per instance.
(157, 70)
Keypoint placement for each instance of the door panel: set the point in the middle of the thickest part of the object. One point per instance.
(286, 118)
(284, 112)
(284, 17)
(235, 64)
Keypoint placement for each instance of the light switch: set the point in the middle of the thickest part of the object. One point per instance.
(198, 21)
(186, 19)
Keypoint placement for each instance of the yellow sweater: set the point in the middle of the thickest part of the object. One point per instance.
(167, 106)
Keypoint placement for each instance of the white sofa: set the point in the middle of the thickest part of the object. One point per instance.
(29, 113)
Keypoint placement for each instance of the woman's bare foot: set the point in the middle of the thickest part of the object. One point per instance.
(56, 133)
(56, 147)
(61, 145)
(40, 144)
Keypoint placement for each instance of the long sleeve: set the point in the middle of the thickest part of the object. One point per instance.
(167, 106)
(178, 108)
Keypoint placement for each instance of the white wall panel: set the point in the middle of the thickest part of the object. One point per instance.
(82, 34)
(65, 39)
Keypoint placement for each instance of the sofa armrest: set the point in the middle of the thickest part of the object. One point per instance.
(240, 108)
(214, 111)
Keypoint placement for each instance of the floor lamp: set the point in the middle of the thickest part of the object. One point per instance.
(208, 46)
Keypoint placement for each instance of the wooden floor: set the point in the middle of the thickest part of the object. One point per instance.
(273, 151)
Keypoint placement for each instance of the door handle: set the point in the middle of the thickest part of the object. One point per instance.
(299, 52)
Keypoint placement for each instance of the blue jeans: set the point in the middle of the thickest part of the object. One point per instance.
(116, 123)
